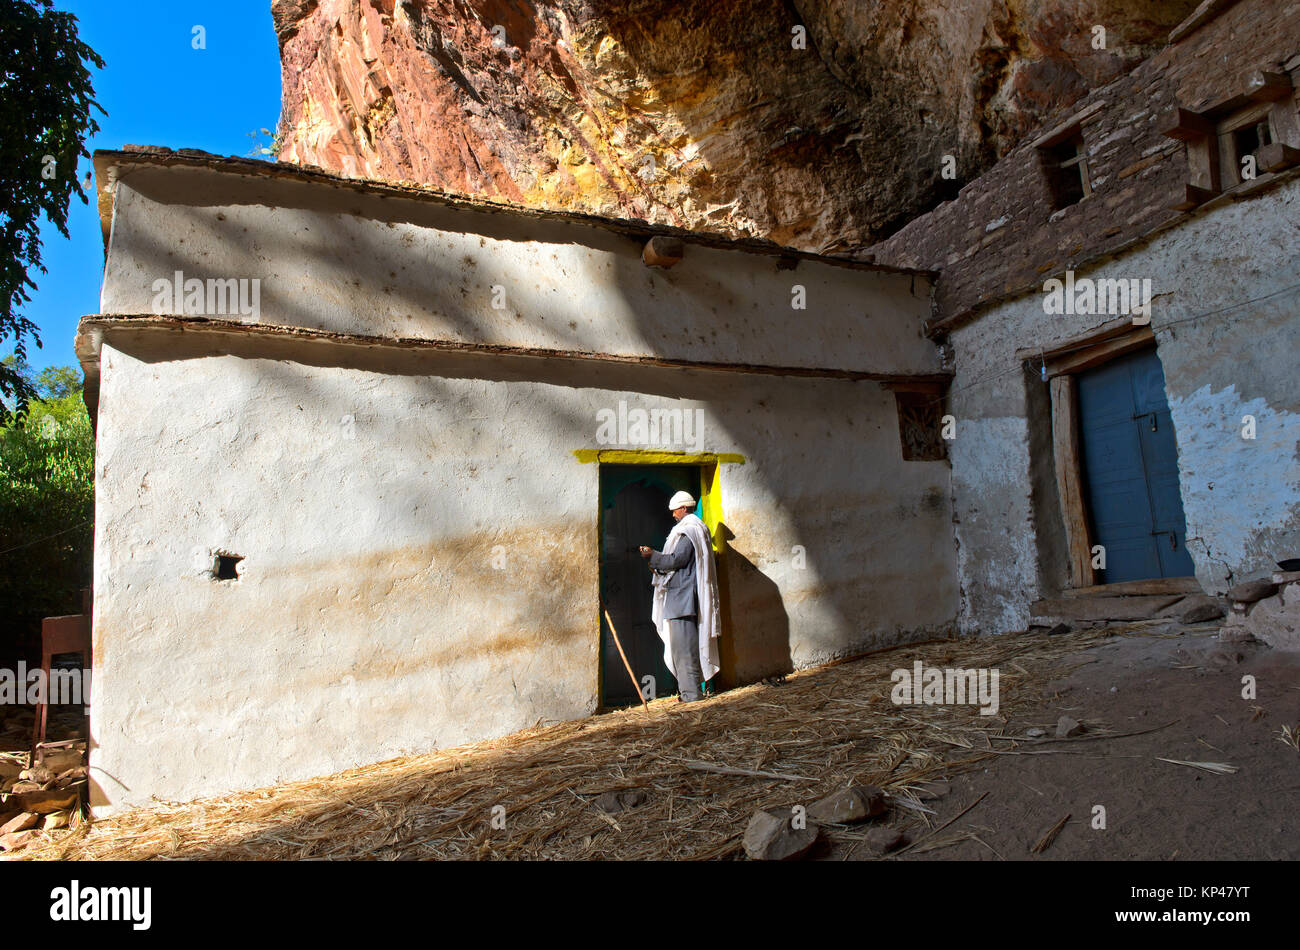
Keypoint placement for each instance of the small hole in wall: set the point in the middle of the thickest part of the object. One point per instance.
(226, 567)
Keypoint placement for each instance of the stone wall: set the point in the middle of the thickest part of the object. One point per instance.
(1001, 236)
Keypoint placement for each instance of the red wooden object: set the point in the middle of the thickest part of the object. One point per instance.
(69, 634)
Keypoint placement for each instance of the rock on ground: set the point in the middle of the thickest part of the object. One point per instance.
(849, 805)
(883, 840)
(771, 836)
(1251, 591)
(1068, 727)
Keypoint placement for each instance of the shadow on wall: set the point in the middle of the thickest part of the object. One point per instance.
(275, 372)
(755, 626)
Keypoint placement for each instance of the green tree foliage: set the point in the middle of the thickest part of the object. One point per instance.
(47, 500)
(46, 99)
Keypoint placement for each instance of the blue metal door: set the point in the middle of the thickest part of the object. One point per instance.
(1130, 469)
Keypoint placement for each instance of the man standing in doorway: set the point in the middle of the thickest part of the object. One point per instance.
(686, 611)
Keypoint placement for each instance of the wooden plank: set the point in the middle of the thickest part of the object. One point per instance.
(1187, 126)
(1286, 123)
(1267, 86)
(1155, 585)
(1077, 362)
(1203, 14)
(928, 387)
(1110, 328)
(1276, 157)
(1252, 113)
(1104, 608)
(1069, 481)
(1190, 197)
(1063, 130)
(1202, 172)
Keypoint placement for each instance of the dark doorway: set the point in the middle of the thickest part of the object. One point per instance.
(634, 511)
(1130, 469)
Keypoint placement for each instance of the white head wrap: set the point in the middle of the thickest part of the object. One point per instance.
(681, 500)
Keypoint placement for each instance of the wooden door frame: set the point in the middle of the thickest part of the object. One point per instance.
(1062, 363)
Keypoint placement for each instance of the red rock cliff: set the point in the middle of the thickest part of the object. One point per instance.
(818, 123)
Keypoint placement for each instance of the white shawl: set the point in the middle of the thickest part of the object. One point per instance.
(706, 591)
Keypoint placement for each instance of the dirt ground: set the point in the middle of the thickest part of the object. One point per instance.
(1154, 810)
(960, 785)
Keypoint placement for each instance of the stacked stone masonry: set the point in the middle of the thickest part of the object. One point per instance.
(1000, 236)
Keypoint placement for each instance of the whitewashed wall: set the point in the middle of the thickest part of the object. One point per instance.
(1224, 357)
(373, 491)
(369, 619)
(336, 260)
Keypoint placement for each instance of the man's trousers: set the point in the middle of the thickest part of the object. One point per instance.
(684, 641)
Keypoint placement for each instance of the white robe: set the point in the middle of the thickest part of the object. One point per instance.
(706, 592)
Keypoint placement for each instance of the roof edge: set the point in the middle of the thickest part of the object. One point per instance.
(92, 329)
(108, 162)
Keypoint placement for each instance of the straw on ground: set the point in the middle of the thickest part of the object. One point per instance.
(706, 768)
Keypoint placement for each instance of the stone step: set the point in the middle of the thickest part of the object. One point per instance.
(1155, 585)
(1104, 608)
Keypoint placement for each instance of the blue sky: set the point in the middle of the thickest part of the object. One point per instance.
(157, 90)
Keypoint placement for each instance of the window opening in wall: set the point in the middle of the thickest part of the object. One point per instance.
(1260, 124)
(1251, 139)
(1066, 167)
(920, 426)
(1246, 139)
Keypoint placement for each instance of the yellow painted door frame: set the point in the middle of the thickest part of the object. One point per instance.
(710, 498)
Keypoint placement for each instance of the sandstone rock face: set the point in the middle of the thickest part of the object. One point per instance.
(822, 124)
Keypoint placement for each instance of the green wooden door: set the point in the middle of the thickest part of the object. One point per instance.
(634, 511)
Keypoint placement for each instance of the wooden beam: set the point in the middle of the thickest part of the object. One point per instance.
(662, 251)
(1109, 329)
(1276, 157)
(1191, 196)
(1262, 87)
(1065, 129)
(1137, 338)
(1286, 123)
(1265, 86)
(1202, 171)
(1104, 608)
(92, 329)
(1203, 14)
(1069, 481)
(929, 387)
(1154, 585)
(1187, 126)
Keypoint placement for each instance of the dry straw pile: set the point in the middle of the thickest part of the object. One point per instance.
(820, 731)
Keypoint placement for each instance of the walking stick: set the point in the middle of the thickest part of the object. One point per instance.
(632, 676)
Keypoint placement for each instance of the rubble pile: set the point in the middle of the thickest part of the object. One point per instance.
(41, 792)
(1267, 610)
